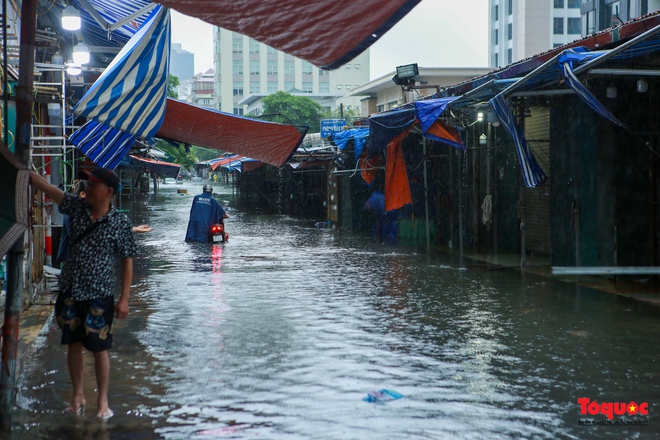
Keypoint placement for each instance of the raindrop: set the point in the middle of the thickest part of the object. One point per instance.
(374, 35)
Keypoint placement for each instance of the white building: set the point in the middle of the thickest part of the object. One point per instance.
(245, 67)
(599, 15)
(519, 29)
(383, 94)
(202, 90)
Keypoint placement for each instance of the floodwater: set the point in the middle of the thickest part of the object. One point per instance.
(282, 332)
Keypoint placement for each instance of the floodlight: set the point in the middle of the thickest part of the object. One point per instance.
(405, 75)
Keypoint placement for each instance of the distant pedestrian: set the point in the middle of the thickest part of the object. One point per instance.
(101, 239)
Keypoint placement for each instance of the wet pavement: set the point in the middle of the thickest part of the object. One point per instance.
(282, 332)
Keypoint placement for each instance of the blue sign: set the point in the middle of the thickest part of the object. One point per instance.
(329, 126)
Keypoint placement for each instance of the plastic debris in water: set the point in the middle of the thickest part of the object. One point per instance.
(382, 395)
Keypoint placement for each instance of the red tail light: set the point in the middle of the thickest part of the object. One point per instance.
(217, 229)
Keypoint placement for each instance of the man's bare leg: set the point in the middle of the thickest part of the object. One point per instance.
(102, 367)
(75, 364)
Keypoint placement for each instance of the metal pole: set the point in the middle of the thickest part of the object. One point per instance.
(5, 81)
(426, 197)
(24, 102)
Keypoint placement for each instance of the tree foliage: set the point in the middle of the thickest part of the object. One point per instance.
(299, 110)
(172, 84)
(188, 160)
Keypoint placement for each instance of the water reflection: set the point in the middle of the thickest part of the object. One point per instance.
(281, 332)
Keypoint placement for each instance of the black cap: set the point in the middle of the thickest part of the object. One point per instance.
(103, 175)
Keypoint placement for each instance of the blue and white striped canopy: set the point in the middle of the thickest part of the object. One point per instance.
(131, 93)
(532, 173)
(103, 145)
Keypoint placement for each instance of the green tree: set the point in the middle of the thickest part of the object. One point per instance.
(172, 84)
(188, 160)
(299, 110)
(350, 113)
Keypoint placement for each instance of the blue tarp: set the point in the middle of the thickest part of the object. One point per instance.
(428, 111)
(387, 126)
(359, 136)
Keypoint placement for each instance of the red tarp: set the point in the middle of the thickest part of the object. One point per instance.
(157, 166)
(267, 142)
(325, 33)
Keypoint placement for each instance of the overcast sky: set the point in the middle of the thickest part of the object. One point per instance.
(436, 33)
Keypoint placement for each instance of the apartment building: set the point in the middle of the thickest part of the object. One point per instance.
(519, 29)
(247, 70)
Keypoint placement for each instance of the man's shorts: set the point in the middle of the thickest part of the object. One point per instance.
(89, 322)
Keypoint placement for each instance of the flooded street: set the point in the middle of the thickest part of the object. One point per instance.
(282, 332)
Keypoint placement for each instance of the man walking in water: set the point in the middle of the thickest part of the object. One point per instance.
(101, 239)
(204, 212)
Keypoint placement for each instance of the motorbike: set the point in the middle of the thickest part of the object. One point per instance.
(217, 233)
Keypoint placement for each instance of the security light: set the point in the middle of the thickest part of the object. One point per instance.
(405, 75)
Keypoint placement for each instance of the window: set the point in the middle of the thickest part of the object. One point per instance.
(496, 36)
(509, 31)
(272, 67)
(323, 72)
(509, 55)
(254, 46)
(307, 87)
(380, 108)
(238, 111)
(306, 68)
(289, 86)
(496, 61)
(254, 67)
(272, 87)
(324, 88)
(255, 87)
(559, 4)
(237, 46)
(237, 68)
(238, 88)
(496, 13)
(574, 25)
(510, 7)
(289, 68)
(574, 4)
(558, 26)
(270, 50)
(589, 25)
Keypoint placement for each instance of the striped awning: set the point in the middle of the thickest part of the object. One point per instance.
(131, 93)
(103, 145)
(532, 173)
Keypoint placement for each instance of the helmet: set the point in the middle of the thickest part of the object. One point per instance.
(207, 189)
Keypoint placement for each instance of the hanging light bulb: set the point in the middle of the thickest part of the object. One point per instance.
(71, 19)
(73, 68)
(81, 54)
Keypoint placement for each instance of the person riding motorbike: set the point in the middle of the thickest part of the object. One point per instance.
(204, 212)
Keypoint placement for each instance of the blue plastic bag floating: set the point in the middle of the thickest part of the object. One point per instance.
(382, 395)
